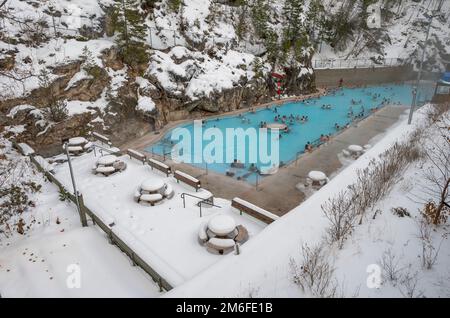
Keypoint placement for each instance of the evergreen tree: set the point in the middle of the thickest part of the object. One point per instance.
(55, 109)
(293, 29)
(132, 32)
(88, 57)
(241, 25)
(315, 18)
(260, 17)
(174, 5)
(258, 68)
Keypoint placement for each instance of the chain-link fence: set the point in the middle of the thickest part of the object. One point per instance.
(356, 63)
(62, 25)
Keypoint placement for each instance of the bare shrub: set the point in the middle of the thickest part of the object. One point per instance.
(400, 212)
(376, 180)
(433, 215)
(341, 214)
(437, 175)
(435, 112)
(57, 111)
(34, 32)
(373, 183)
(429, 251)
(390, 265)
(315, 273)
(408, 285)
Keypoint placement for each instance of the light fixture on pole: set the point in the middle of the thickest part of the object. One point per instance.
(75, 191)
(419, 73)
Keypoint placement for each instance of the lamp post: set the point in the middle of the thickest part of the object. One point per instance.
(419, 74)
(75, 191)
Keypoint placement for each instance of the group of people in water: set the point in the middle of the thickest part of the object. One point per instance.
(291, 119)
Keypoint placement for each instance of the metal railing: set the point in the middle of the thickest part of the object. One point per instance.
(356, 63)
(199, 204)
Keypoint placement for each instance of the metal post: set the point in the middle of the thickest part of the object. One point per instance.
(150, 34)
(237, 249)
(75, 191)
(419, 74)
(54, 26)
(83, 213)
(125, 22)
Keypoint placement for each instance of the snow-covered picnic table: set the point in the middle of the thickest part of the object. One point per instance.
(355, 149)
(77, 141)
(222, 224)
(152, 185)
(317, 176)
(107, 160)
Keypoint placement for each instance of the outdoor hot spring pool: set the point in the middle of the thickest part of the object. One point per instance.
(320, 121)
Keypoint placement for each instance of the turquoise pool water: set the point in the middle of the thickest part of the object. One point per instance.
(321, 121)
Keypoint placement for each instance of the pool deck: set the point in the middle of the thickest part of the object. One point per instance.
(278, 193)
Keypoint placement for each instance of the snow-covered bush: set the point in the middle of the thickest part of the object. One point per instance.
(16, 188)
(340, 212)
(437, 174)
(430, 252)
(314, 274)
(408, 285)
(390, 265)
(373, 183)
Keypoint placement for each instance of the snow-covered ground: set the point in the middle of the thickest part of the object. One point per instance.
(164, 235)
(56, 249)
(263, 268)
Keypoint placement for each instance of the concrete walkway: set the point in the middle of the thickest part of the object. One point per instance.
(278, 193)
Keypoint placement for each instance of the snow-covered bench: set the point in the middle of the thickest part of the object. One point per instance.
(101, 138)
(158, 165)
(242, 236)
(188, 179)
(77, 146)
(136, 155)
(253, 210)
(152, 199)
(202, 236)
(169, 192)
(219, 245)
(105, 170)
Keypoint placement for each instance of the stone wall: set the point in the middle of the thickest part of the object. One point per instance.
(363, 76)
